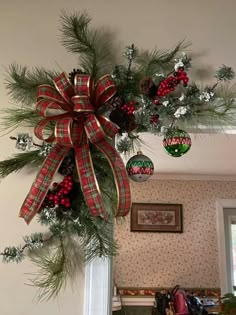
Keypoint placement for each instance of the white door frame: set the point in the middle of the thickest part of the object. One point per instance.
(98, 287)
(220, 205)
(231, 261)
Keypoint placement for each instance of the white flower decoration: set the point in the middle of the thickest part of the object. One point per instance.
(206, 96)
(182, 110)
(179, 64)
(163, 130)
(159, 74)
(165, 103)
(181, 98)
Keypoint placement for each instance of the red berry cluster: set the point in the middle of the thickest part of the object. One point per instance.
(128, 108)
(59, 194)
(181, 75)
(154, 119)
(169, 84)
(156, 101)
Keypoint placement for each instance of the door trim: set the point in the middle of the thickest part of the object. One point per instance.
(220, 205)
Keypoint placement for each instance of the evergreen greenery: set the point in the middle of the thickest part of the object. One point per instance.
(22, 82)
(54, 266)
(18, 161)
(158, 61)
(92, 47)
(75, 236)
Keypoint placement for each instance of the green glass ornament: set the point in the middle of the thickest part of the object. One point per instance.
(177, 142)
(139, 167)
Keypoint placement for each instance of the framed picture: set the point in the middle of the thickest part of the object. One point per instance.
(156, 217)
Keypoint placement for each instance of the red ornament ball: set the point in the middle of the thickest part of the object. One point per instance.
(177, 142)
(139, 167)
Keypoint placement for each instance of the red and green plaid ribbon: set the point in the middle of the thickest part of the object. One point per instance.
(72, 109)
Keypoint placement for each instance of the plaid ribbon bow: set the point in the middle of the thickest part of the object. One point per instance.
(72, 109)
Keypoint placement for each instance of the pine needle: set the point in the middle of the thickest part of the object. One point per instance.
(23, 117)
(97, 236)
(157, 60)
(219, 112)
(101, 244)
(93, 47)
(56, 266)
(22, 83)
(18, 161)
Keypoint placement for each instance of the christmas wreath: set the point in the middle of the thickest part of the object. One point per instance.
(75, 118)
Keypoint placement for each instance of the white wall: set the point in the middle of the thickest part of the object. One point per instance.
(29, 35)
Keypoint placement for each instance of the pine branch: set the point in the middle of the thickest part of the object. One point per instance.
(12, 254)
(32, 243)
(129, 144)
(18, 161)
(96, 236)
(219, 111)
(51, 273)
(101, 243)
(93, 47)
(216, 114)
(94, 232)
(157, 60)
(23, 117)
(56, 266)
(22, 83)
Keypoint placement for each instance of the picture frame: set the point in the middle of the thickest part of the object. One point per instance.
(156, 217)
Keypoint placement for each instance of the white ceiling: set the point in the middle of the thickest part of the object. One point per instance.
(209, 155)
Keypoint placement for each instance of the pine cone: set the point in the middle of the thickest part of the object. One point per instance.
(147, 87)
(67, 165)
(73, 73)
(131, 123)
(115, 102)
(125, 121)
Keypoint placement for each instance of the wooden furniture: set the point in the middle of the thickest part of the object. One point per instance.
(214, 310)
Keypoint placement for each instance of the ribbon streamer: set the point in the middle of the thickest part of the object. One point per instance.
(72, 109)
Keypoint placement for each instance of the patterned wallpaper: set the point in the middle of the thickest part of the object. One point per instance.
(189, 259)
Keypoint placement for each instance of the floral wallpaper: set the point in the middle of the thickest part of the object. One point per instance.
(190, 259)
